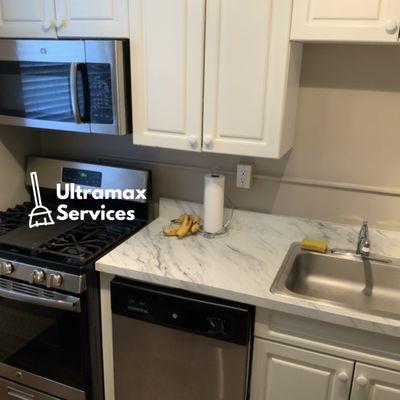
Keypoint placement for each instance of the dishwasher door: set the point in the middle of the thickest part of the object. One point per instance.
(169, 347)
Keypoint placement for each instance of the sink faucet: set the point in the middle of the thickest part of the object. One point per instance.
(363, 247)
(364, 244)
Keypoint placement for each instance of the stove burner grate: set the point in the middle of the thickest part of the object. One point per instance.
(14, 217)
(86, 241)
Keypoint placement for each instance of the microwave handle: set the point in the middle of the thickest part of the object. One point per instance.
(73, 87)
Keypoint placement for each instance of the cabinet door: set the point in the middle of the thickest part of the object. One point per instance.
(346, 20)
(286, 373)
(251, 78)
(167, 72)
(92, 18)
(27, 19)
(373, 383)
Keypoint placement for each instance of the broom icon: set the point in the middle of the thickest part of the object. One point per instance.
(40, 215)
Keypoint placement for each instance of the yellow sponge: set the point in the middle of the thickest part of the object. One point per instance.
(314, 245)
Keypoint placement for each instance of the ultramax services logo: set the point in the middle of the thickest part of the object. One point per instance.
(43, 216)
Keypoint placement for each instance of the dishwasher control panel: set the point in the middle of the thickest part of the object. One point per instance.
(178, 309)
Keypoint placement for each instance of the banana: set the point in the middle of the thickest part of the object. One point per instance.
(189, 224)
(179, 220)
(195, 219)
(195, 227)
(185, 227)
(170, 231)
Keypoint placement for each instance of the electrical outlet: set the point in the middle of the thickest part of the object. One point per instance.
(244, 176)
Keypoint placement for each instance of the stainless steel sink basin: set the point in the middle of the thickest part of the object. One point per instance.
(341, 280)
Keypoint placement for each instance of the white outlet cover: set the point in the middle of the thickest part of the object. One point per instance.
(244, 176)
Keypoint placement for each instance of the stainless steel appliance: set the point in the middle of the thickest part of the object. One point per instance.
(70, 85)
(50, 338)
(175, 345)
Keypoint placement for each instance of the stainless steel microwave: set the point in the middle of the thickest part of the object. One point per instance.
(70, 85)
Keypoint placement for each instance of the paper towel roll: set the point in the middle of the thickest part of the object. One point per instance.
(214, 188)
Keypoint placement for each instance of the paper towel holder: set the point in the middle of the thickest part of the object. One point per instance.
(226, 224)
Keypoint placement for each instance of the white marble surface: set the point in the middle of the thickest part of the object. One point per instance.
(242, 264)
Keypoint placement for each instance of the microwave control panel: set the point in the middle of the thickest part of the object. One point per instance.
(100, 89)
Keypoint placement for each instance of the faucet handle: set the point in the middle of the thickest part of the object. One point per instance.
(364, 244)
(364, 230)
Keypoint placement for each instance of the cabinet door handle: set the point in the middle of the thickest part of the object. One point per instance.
(208, 141)
(59, 23)
(192, 141)
(343, 376)
(391, 26)
(47, 25)
(362, 380)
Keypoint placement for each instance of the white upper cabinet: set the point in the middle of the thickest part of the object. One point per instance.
(167, 48)
(27, 18)
(286, 373)
(373, 383)
(251, 78)
(92, 18)
(346, 20)
(251, 75)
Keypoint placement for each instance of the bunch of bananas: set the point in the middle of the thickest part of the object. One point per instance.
(183, 226)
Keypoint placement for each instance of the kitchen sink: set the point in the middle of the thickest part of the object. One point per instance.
(346, 281)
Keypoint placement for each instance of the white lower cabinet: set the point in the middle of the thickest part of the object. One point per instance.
(373, 383)
(283, 372)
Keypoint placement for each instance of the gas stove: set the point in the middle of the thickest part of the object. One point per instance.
(49, 290)
(63, 252)
(67, 243)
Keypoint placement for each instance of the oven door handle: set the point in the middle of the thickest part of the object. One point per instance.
(58, 301)
(18, 394)
(73, 88)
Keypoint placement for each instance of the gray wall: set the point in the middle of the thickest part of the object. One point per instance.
(345, 165)
(15, 144)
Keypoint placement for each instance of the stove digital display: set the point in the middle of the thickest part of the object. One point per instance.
(82, 177)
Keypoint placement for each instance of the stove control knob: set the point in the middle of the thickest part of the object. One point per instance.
(54, 281)
(37, 276)
(6, 268)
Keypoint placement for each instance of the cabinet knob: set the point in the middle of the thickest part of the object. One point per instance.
(59, 23)
(47, 25)
(391, 26)
(343, 376)
(362, 380)
(207, 141)
(192, 141)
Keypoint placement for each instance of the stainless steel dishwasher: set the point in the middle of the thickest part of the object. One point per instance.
(174, 345)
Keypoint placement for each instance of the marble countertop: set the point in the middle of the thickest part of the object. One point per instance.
(242, 264)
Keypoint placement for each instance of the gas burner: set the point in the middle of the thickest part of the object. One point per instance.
(14, 217)
(88, 240)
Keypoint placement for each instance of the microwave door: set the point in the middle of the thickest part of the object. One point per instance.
(43, 85)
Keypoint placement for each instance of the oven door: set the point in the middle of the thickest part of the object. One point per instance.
(41, 340)
(42, 84)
